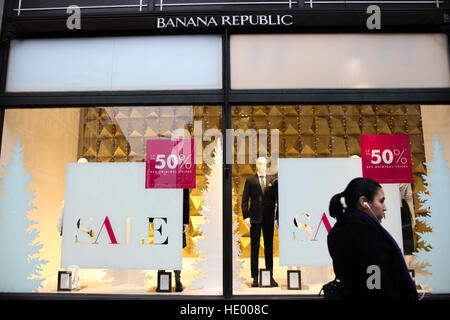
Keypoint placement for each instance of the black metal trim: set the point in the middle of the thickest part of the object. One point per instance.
(89, 98)
(227, 200)
(174, 298)
(225, 96)
(339, 96)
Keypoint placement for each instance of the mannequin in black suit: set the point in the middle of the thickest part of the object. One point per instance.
(259, 216)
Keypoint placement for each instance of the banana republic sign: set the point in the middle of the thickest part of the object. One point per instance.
(241, 20)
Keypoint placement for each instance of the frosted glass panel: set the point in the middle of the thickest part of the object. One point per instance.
(116, 63)
(339, 61)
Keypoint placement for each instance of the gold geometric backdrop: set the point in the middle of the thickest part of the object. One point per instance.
(321, 131)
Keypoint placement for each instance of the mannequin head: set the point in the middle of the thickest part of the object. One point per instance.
(261, 165)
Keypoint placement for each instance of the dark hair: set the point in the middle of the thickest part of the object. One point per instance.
(355, 189)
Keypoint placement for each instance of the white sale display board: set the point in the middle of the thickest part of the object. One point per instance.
(305, 188)
(111, 221)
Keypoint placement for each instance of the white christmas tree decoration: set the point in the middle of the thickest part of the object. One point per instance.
(21, 265)
(208, 267)
(120, 277)
(435, 201)
(238, 262)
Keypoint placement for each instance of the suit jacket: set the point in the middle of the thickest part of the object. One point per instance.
(356, 242)
(262, 205)
(275, 192)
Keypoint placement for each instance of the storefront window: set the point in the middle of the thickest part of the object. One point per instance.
(116, 63)
(345, 61)
(333, 132)
(45, 142)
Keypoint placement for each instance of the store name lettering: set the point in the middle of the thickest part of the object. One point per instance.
(233, 20)
(86, 235)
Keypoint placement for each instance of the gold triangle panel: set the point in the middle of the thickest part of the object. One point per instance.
(321, 111)
(367, 110)
(352, 111)
(399, 125)
(106, 148)
(292, 145)
(306, 111)
(92, 114)
(382, 110)
(275, 111)
(275, 122)
(166, 124)
(353, 126)
(383, 125)
(137, 113)
(120, 113)
(106, 115)
(167, 112)
(323, 145)
(416, 141)
(184, 112)
(107, 131)
(307, 125)
(413, 110)
(368, 125)
(150, 133)
(259, 111)
(338, 147)
(260, 123)
(308, 146)
(291, 129)
(119, 153)
(197, 201)
(289, 111)
(414, 125)
(337, 111)
(354, 146)
(398, 110)
(90, 152)
(322, 127)
(418, 183)
(337, 125)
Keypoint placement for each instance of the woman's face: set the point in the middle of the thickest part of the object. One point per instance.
(378, 204)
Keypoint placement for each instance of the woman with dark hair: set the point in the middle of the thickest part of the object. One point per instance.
(367, 261)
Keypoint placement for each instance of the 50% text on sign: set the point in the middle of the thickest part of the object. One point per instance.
(169, 164)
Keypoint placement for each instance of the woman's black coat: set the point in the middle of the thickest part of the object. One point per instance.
(356, 244)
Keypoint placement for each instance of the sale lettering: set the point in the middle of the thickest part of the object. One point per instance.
(156, 232)
(303, 231)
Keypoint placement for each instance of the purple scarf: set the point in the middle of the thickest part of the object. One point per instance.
(405, 276)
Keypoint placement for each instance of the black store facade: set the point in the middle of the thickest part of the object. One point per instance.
(95, 82)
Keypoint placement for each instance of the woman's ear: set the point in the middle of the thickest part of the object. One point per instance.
(361, 201)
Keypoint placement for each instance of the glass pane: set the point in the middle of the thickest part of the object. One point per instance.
(345, 61)
(116, 63)
(51, 141)
(320, 132)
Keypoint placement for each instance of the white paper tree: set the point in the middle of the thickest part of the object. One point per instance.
(238, 262)
(435, 201)
(209, 246)
(20, 266)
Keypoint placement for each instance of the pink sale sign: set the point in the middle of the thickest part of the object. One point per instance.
(170, 164)
(386, 158)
